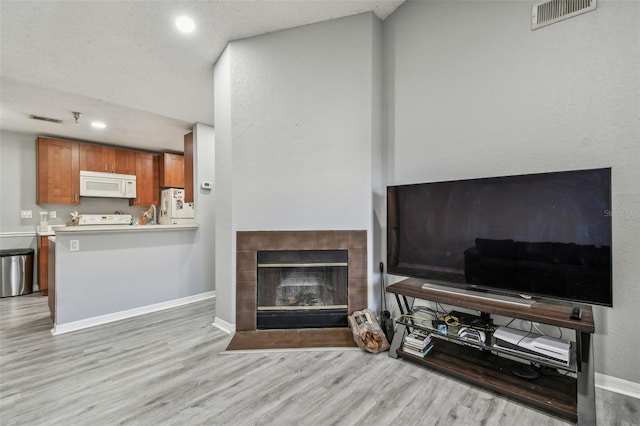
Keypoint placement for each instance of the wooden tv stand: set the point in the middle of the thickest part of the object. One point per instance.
(570, 396)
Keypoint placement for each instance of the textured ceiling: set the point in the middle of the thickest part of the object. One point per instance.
(124, 63)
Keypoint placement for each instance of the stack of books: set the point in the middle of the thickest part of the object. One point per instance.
(417, 343)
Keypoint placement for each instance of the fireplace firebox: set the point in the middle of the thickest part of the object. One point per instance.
(302, 289)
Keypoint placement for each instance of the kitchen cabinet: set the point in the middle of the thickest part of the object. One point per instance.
(51, 273)
(43, 264)
(58, 171)
(124, 161)
(100, 158)
(171, 168)
(146, 171)
(188, 168)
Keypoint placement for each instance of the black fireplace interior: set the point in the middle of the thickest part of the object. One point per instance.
(302, 289)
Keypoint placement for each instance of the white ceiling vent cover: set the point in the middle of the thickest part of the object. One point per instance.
(551, 11)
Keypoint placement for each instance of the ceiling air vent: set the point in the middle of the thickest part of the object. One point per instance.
(47, 119)
(551, 11)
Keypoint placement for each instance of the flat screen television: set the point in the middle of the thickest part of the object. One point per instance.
(544, 235)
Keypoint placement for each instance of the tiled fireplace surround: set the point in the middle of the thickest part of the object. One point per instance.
(248, 243)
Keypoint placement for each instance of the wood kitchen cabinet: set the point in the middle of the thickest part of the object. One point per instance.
(43, 264)
(171, 168)
(100, 158)
(58, 171)
(147, 189)
(188, 168)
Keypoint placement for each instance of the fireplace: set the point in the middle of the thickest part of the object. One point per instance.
(261, 247)
(302, 289)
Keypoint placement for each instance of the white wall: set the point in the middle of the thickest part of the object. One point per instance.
(299, 132)
(470, 91)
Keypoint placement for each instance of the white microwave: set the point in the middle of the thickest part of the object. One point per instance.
(111, 185)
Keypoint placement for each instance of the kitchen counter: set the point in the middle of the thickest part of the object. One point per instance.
(51, 231)
(103, 273)
(121, 228)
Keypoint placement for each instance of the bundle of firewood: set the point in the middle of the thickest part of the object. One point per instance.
(367, 333)
(371, 340)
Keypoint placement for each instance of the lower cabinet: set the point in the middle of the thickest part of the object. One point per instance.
(43, 264)
(52, 282)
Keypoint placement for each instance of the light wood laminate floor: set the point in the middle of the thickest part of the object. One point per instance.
(166, 368)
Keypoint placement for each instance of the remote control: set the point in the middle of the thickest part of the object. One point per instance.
(576, 314)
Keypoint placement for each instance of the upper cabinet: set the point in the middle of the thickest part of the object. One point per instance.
(58, 172)
(171, 169)
(188, 168)
(124, 161)
(60, 162)
(100, 158)
(147, 189)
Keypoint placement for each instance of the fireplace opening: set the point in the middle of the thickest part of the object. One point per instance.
(302, 289)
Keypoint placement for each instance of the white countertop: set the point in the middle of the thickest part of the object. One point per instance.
(119, 228)
(48, 233)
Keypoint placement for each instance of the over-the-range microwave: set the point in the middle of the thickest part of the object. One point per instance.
(110, 185)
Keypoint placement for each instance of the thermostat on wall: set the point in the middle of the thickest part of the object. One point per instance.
(206, 185)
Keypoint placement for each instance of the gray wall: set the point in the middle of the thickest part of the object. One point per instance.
(224, 237)
(17, 190)
(470, 91)
(119, 271)
(204, 170)
(297, 119)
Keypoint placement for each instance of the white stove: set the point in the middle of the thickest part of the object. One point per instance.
(104, 219)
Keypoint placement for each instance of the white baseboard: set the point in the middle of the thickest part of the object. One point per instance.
(617, 385)
(117, 316)
(225, 326)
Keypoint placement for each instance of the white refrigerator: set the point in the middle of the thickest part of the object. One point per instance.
(173, 209)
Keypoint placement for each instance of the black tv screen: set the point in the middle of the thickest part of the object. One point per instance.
(546, 235)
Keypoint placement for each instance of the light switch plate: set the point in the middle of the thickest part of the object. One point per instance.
(74, 245)
(26, 214)
(52, 214)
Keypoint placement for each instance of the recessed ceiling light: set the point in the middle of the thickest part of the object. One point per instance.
(98, 124)
(185, 24)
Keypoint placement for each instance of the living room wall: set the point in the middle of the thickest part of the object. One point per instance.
(470, 91)
(297, 119)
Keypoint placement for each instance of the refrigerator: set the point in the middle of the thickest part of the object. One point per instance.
(173, 209)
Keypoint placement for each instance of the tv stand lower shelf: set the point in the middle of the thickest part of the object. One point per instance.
(494, 373)
(570, 396)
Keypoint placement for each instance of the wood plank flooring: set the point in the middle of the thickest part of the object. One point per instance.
(166, 368)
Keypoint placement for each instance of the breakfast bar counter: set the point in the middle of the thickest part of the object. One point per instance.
(121, 228)
(104, 273)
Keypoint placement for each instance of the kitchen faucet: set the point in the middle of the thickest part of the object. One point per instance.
(154, 221)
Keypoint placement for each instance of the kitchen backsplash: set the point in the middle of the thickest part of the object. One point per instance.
(87, 206)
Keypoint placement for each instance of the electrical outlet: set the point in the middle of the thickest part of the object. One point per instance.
(74, 245)
(26, 214)
(52, 214)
